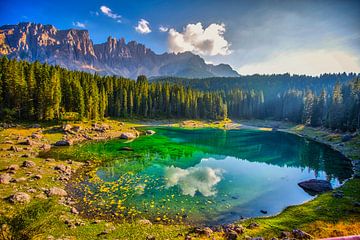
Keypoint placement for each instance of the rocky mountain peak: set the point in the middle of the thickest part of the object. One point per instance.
(73, 49)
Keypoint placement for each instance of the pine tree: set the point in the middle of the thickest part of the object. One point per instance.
(308, 107)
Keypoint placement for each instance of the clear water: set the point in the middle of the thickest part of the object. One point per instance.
(205, 176)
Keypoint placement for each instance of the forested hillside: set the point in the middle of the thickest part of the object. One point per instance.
(269, 84)
(34, 91)
(330, 100)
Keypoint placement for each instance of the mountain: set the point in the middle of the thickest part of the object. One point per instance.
(73, 49)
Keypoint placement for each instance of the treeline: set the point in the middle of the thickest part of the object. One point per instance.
(34, 91)
(270, 84)
(330, 100)
(337, 109)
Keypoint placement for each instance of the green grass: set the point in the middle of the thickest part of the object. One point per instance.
(325, 216)
(325, 209)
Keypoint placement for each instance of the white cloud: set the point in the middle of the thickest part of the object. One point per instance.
(108, 12)
(208, 41)
(79, 24)
(143, 27)
(310, 62)
(191, 180)
(163, 29)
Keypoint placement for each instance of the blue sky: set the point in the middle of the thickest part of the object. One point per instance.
(308, 36)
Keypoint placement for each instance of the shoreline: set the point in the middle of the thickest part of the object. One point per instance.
(317, 135)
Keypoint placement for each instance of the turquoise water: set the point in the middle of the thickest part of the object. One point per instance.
(204, 176)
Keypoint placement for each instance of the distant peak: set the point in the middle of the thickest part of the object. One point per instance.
(74, 49)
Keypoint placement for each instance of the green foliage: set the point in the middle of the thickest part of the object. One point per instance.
(32, 220)
(330, 100)
(34, 91)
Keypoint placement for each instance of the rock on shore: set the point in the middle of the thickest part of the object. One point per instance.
(127, 136)
(315, 186)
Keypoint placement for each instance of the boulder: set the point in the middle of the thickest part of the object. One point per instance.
(87, 137)
(28, 164)
(315, 186)
(127, 136)
(150, 132)
(56, 191)
(20, 179)
(45, 147)
(14, 148)
(101, 128)
(63, 143)
(285, 234)
(37, 177)
(31, 190)
(206, 231)
(66, 127)
(299, 234)
(13, 167)
(20, 197)
(5, 178)
(28, 142)
(253, 225)
(63, 169)
(231, 235)
(76, 128)
(346, 137)
(239, 229)
(36, 136)
(74, 211)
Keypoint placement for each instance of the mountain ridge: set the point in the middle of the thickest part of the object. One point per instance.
(74, 50)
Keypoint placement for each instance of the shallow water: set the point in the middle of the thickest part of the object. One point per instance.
(205, 175)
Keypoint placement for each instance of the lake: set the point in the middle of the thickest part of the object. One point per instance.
(203, 176)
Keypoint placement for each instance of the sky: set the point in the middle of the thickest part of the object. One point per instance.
(255, 36)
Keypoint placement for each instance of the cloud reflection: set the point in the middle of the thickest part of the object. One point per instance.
(201, 179)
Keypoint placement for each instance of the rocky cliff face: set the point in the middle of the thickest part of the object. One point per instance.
(73, 49)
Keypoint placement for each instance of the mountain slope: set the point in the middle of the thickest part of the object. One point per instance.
(73, 49)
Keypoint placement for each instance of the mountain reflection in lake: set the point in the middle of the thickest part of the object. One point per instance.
(206, 175)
